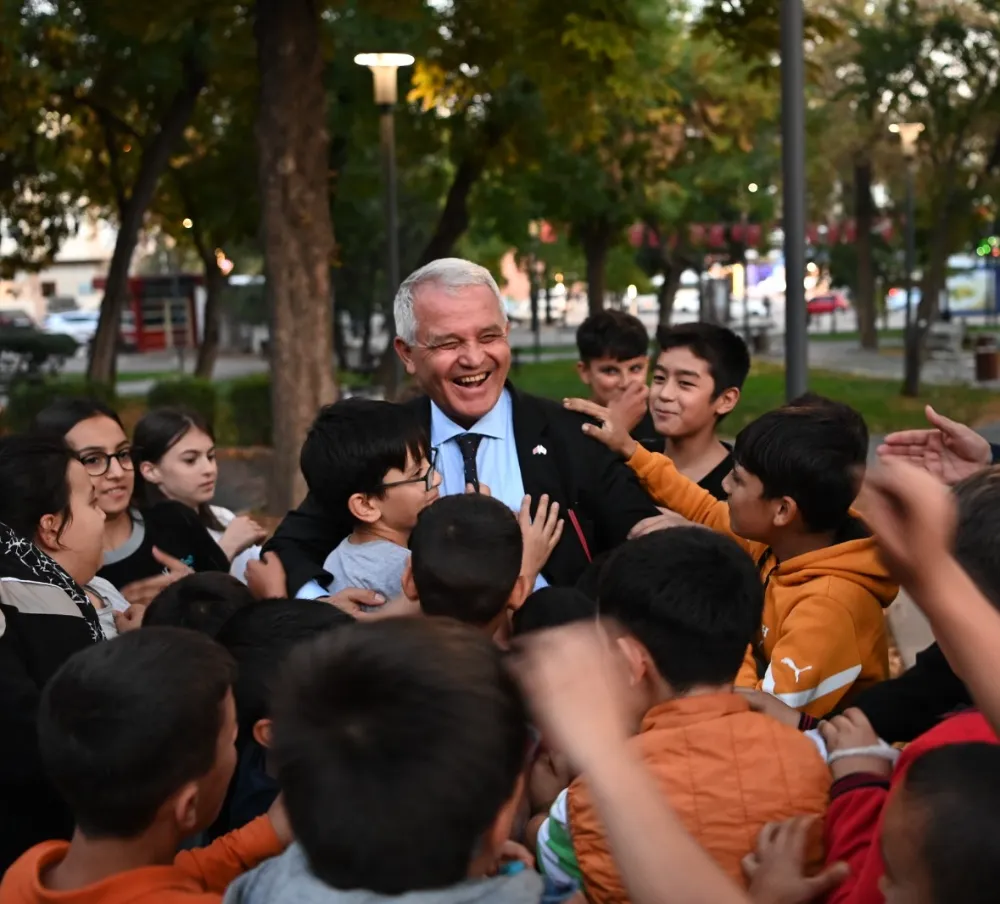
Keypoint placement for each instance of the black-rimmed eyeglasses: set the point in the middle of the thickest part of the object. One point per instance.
(97, 463)
(427, 478)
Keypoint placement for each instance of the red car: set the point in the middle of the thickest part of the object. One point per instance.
(827, 304)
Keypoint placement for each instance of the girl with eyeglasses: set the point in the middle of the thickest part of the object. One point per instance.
(174, 455)
(146, 547)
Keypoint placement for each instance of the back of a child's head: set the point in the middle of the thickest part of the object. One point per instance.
(552, 607)
(612, 334)
(466, 554)
(691, 597)
(202, 602)
(125, 725)
(397, 745)
(946, 825)
(353, 444)
(977, 534)
(812, 450)
(259, 638)
(720, 348)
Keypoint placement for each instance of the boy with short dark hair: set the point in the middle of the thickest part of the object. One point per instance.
(552, 607)
(796, 472)
(259, 638)
(682, 605)
(697, 380)
(138, 734)
(370, 463)
(614, 364)
(472, 560)
(400, 748)
(202, 602)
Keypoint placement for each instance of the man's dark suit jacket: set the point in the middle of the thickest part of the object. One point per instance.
(574, 470)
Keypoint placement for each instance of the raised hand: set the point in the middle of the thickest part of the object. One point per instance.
(913, 517)
(242, 533)
(607, 430)
(949, 450)
(266, 577)
(541, 536)
(631, 406)
(143, 592)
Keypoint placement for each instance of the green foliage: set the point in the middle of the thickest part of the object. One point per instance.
(198, 395)
(29, 398)
(249, 405)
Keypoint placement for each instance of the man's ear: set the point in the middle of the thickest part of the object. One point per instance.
(262, 732)
(364, 508)
(408, 584)
(583, 372)
(727, 401)
(405, 353)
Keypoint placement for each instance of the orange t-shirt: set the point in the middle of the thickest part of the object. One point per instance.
(200, 876)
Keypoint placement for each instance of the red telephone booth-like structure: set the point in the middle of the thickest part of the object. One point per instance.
(161, 312)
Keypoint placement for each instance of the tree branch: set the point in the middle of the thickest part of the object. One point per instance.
(114, 161)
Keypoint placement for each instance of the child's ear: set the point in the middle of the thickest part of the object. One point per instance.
(786, 511)
(185, 808)
(150, 473)
(262, 733)
(408, 584)
(583, 371)
(519, 594)
(635, 658)
(499, 832)
(727, 401)
(363, 508)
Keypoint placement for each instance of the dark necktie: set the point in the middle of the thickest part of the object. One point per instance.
(469, 444)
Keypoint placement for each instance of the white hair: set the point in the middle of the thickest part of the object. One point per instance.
(447, 273)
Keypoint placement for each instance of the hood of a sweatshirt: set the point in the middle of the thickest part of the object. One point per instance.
(288, 880)
(854, 559)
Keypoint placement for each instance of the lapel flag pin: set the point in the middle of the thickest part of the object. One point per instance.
(539, 450)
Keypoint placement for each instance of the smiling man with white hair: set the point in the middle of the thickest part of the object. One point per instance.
(452, 336)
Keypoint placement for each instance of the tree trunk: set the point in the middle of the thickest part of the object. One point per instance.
(933, 282)
(208, 351)
(667, 292)
(454, 219)
(596, 241)
(864, 215)
(297, 235)
(155, 157)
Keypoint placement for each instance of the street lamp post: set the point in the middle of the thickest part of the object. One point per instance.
(908, 133)
(384, 67)
(533, 232)
(793, 167)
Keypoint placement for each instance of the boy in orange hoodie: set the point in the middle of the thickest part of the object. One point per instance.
(139, 737)
(796, 472)
(682, 605)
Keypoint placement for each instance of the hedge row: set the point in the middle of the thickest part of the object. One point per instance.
(239, 411)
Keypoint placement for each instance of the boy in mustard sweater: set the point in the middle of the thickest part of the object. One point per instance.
(796, 472)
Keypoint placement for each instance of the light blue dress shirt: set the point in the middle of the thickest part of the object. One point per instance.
(496, 459)
(496, 463)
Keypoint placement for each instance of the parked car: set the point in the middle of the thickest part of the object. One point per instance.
(827, 304)
(16, 320)
(895, 299)
(81, 325)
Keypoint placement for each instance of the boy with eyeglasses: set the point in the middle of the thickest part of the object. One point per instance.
(370, 463)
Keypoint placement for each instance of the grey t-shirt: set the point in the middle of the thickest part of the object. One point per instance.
(376, 565)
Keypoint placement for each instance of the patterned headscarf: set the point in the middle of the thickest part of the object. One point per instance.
(22, 560)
